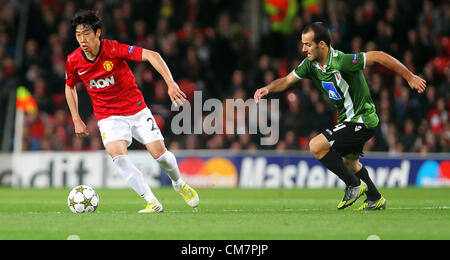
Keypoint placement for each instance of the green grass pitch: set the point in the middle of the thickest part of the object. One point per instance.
(226, 214)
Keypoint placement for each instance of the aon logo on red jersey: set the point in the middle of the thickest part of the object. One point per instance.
(102, 83)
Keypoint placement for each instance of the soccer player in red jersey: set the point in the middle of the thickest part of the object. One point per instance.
(119, 105)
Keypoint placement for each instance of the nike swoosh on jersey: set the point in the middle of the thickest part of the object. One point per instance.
(81, 73)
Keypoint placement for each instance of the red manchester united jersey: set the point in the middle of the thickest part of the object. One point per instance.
(108, 79)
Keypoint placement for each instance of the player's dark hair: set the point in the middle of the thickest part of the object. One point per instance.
(89, 18)
(321, 32)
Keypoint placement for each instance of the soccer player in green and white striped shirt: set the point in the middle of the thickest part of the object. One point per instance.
(340, 78)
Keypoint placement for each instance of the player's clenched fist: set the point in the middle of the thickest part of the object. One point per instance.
(417, 83)
(80, 128)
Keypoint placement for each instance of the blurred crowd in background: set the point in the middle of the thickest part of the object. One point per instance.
(206, 45)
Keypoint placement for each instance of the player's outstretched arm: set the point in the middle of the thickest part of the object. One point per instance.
(72, 102)
(414, 81)
(277, 85)
(176, 95)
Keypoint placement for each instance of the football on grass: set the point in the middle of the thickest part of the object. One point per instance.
(82, 199)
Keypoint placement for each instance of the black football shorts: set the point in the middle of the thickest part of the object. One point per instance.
(349, 138)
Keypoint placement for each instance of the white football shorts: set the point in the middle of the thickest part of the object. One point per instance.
(142, 126)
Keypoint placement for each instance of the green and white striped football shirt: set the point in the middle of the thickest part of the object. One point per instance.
(342, 81)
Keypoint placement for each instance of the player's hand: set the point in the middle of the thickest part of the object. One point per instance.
(260, 93)
(417, 83)
(176, 95)
(80, 128)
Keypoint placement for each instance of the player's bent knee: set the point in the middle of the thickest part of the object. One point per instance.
(116, 148)
(313, 148)
(319, 146)
(156, 149)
